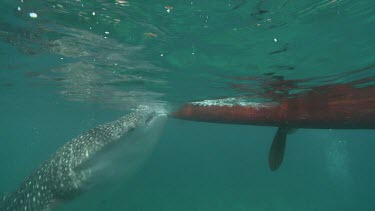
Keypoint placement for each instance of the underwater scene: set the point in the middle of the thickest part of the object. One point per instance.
(227, 105)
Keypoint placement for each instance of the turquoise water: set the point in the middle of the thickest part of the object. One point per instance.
(79, 64)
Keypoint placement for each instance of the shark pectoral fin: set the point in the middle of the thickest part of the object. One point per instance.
(276, 153)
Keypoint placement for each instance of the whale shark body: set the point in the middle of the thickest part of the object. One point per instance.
(113, 149)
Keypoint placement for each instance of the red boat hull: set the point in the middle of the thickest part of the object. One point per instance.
(326, 107)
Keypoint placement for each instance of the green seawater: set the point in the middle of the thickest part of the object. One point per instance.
(82, 63)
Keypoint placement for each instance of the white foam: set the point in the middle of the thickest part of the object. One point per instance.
(230, 102)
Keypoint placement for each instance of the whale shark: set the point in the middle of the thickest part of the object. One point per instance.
(114, 149)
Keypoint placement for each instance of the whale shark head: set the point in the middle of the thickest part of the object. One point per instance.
(104, 153)
(122, 146)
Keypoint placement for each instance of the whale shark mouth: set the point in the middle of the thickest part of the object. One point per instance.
(150, 118)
